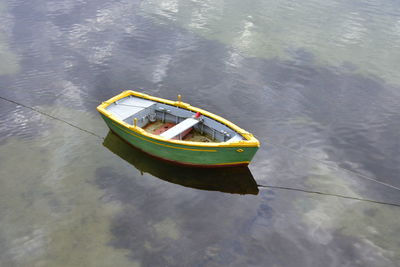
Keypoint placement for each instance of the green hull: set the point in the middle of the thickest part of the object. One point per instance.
(185, 154)
(234, 180)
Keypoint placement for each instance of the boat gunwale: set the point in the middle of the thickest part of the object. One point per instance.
(250, 141)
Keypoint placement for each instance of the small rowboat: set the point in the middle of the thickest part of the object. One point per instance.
(177, 132)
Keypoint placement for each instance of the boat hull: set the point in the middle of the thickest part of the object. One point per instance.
(206, 156)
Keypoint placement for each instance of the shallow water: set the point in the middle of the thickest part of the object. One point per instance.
(317, 83)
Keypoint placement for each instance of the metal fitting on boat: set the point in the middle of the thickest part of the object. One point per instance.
(152, 117)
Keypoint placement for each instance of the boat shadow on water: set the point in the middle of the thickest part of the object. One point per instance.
(235, 180)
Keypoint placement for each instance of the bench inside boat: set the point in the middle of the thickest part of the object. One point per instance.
(171, 122)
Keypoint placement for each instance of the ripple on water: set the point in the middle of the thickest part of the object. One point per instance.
(262, 65)
(19, 121)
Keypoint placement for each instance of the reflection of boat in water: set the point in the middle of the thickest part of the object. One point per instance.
(237, 180)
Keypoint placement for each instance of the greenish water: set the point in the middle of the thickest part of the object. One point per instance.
(9, 62)
(316, 82)
(363, 34)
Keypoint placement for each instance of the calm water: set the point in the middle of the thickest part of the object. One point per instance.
(317, 82)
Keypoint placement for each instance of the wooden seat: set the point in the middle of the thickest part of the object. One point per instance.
(179, 128)
(235, 138)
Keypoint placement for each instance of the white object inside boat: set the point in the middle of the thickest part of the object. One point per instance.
(180, 128)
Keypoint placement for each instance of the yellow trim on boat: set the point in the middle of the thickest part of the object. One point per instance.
(250, 141)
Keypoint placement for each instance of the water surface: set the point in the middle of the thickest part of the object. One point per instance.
(316, 82)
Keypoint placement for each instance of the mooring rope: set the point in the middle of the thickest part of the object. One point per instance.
(360, 175)
(328, 194)
(51, 116)
(262, 186)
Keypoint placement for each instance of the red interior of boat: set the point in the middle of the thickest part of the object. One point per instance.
(168, 125)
